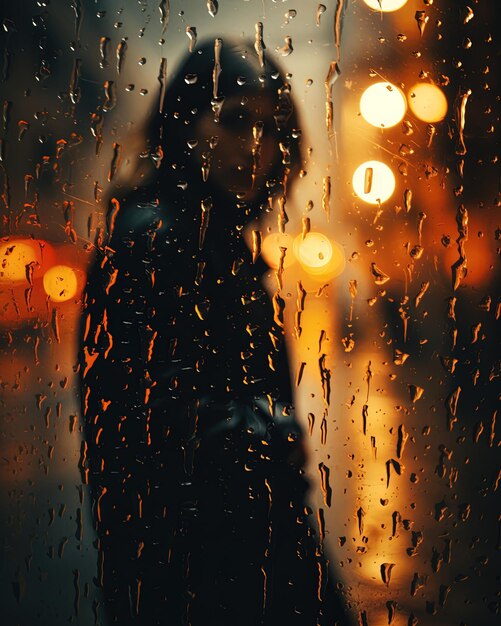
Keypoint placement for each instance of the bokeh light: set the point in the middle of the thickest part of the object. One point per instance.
(427, 102)
(319, 256)
(383, 105)
(271, 249)
(314, 250)
(60, 283)
(385, 5)
(373, 182)
(17, 259)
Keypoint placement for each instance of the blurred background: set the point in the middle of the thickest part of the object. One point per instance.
(391, 281)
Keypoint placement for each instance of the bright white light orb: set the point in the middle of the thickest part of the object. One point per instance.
(387, 6)
(383, 105)
(428, 102)
(60, 283)
(373, 182)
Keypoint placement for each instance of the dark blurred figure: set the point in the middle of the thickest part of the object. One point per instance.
(194, 455)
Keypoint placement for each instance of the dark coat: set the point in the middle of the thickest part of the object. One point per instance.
(194, 455)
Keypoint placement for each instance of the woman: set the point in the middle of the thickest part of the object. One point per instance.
(193, 452)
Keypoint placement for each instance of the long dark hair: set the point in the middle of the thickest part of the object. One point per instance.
(157, 224)
(199, 86)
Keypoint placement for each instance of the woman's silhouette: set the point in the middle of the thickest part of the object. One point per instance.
(194, 455)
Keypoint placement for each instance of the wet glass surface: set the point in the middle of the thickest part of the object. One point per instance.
(249, 284)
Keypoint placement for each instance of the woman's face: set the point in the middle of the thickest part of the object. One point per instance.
(244, 145)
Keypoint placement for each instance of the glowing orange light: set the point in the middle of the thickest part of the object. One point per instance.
(383, 105)
(314, 250)
(19, 259)
(427, 102)
(373, 182)
(319, 256)
(60, 283)
(271, 249)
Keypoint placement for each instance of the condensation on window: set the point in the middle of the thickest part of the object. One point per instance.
(249, 312)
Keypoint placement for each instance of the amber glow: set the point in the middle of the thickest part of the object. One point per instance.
(427, 102)
(319, 256)
(314, 250)
(18, 260)
(60, 283)
(383, 105)
(373, 182)
(236, 403)
(272, 250)
(481, 261)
